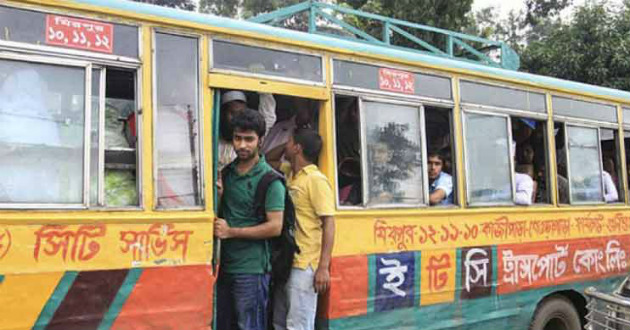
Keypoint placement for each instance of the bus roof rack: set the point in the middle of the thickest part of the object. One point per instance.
(333, 20)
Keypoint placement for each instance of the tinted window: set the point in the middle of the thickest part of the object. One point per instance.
(367, 76)
(581, 109)
(503, 97)
(251, 59)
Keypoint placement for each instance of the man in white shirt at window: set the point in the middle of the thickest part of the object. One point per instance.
(440, 183)
(610, 191)
(523, 184)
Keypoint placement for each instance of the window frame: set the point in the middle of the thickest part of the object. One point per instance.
(467, 175)
(200, 121)
(568, 152)
(289, 49)
(86, 66)
(420, 106)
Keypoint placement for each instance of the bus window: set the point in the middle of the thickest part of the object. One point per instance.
(583, 164)
(349, 173)
(440, 165)
(488, 166)
(393, 141)
(177, 129)
(611, 163)
(529, 137)
(42, 115)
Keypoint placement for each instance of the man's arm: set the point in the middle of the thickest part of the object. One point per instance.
(524, 190)
(437, 196)
(270, 228)
(322, 274)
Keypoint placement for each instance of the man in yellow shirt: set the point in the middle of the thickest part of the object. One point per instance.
(295, 304)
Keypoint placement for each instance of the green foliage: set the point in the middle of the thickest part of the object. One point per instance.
(180, 4)
(592, 48)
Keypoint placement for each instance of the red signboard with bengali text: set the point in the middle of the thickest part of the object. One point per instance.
(396, 81)
(79, 33)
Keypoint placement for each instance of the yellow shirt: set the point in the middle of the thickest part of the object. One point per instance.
(313, 198)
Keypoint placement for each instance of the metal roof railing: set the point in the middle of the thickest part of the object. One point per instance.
(395, 33)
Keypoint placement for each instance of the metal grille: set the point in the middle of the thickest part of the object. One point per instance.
(607, 311)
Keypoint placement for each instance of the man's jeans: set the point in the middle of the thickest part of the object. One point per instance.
(242, 301)
(295, 304)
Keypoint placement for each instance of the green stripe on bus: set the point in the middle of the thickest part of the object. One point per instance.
(1, 279)
(371, 283)
(55, 300)
(123, 293)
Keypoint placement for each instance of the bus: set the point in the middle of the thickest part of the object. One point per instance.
(110, 124)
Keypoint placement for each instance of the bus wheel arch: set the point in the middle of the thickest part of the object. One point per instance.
(560, 310)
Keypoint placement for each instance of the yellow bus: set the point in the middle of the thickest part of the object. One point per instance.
(109, 130)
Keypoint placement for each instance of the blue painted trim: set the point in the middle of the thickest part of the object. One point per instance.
(352, 46)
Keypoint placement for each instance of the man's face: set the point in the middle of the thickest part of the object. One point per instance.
(290, 149)
(246, 144)
(435, 167)
(233, 108)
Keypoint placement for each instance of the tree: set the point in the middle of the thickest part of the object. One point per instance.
(591, 48)
(180, 4)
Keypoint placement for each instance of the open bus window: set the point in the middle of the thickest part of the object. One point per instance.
(177, 126)
(611, 164)
(120, 188)
(347, 133)
(488, 166)
(42, 115)
(440, 165)
(530, 143)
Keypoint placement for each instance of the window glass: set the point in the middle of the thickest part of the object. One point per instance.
(232, 56)
(394, 153)
(367, 76)
(626, 115)
(581, 109)
(30, 27)
(177, 121)
(472, 92)
(42, 118)
(94, 136)
(347, 136)
(488, 159)
(584, 164)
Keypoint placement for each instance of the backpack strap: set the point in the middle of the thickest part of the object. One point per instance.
(260, 195)
(224, 174)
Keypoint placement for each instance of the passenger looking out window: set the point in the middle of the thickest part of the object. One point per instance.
(348, 150)
(440, 182)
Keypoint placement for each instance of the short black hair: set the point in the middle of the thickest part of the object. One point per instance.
(249, 120)
(310, 141)
(437, 154)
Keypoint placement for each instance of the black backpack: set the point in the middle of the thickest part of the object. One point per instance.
(283, 247)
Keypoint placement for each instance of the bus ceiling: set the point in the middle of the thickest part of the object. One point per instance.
(332, 20)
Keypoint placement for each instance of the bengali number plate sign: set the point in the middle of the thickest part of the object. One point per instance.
(79, 33)
(396, 81)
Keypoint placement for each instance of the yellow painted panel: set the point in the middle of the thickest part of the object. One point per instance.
(267, 86)
(370, 232)
(57, 248)
(22, 298)
(437, 279)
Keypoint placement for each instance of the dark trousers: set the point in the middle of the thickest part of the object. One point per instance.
(242, 301)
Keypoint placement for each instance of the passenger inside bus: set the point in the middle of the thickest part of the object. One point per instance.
(292, 113)
(348, 150)
(439, 164)
(233, 102)
(530, 161)
(608, 143)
